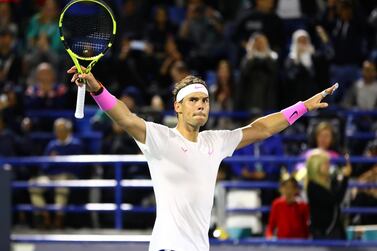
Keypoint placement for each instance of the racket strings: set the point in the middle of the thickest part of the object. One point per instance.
(87, 29)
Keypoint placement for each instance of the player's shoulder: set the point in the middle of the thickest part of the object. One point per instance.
(156, 126)
(159, 128)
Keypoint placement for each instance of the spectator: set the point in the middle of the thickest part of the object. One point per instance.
(46, 92)
(304, 69)
(11, 105)
(257, 88)
(203, 30)
(179, 71)
(223, 96)
(262, 18)
(135, 65)
(347, 34)
(366, 197)
(363, 93)
(172, 71)
(323, 137)
(171, 64)
(155, 111)
(6, 18)
(297, 12)
(10, 62)
(325, 194)
(131, 20)
(372, 20)
(27, 146)
(64, 144)
(43, 39)
(159, 30)
(8, 140)
(329, 14)
(289, 215)
(119, 142)
(230, 9)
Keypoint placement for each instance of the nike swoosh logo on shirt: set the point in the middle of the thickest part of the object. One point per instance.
(184, 149)
(295, 113)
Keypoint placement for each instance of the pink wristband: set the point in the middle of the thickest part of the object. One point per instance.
(105, 100)
(294, 112)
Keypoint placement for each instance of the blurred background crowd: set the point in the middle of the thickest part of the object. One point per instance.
(257, 56)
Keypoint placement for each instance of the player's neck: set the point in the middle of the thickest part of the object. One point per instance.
(189, 132)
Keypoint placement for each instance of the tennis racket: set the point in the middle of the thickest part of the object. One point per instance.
(87, 30)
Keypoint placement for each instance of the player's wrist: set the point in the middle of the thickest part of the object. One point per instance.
(294, 112)
(105, 100)
(98, 90)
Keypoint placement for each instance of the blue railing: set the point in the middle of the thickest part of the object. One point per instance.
(118, 161)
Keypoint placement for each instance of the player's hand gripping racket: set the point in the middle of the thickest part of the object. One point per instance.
(87, 29)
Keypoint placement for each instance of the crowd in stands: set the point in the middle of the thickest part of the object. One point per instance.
(257, 56)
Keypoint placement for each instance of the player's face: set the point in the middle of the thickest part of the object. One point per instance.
(194, 109)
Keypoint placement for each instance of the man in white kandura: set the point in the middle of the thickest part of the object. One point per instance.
(183, 162)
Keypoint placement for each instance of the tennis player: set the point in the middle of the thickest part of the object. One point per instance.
(183, 162)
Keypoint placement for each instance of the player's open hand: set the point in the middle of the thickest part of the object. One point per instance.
(92, 84)
(315, 102)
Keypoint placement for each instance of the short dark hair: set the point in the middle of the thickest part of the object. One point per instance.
(291, 180)
(189, 80)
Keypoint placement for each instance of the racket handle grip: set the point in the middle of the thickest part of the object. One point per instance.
(80, 102)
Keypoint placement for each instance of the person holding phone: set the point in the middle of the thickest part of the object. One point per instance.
(325, 194)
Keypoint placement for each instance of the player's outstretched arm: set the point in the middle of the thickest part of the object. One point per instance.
(271, 124)
(113, 107)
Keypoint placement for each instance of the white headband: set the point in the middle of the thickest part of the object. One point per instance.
(190, 89)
